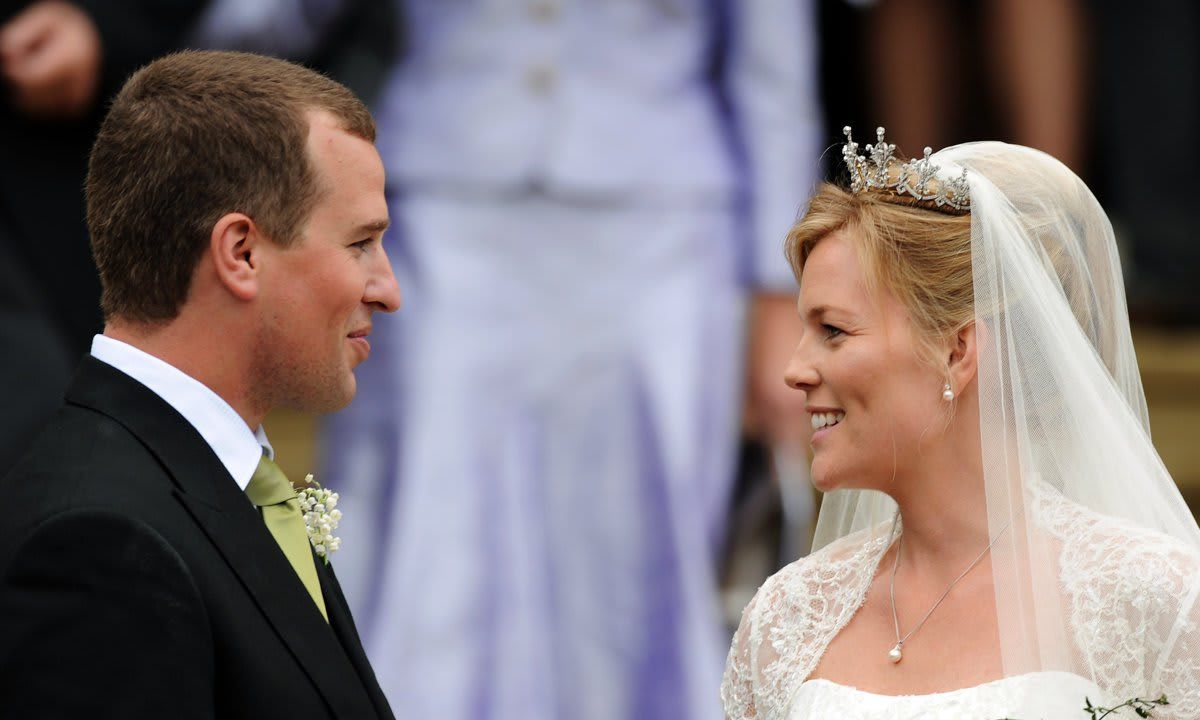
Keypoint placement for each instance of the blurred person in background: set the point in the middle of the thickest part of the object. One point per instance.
(352, 41)
(59, 61)
(1148, 85)
(584, 196)
(1017, 68)
(1062, 76)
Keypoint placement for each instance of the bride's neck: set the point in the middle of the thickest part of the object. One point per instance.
(943, 507)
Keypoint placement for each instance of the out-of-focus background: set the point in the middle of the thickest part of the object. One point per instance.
(573, 459)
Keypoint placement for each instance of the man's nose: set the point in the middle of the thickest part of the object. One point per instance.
(382, 289)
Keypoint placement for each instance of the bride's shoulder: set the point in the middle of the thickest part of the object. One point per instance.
(1131, 592)
(834, 574)
(791, 619)
(1124, 558)
(803, 605)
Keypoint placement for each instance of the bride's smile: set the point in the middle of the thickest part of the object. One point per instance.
(822, 419)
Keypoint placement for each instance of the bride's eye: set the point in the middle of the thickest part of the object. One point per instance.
(831, 331)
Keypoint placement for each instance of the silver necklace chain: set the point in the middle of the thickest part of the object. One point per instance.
(897, 652)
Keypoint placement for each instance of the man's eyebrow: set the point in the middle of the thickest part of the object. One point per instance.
(374, 226)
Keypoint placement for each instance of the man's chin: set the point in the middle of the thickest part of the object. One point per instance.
(348, 389)
(330, 398)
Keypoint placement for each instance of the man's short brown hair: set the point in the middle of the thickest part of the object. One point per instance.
(191, 137)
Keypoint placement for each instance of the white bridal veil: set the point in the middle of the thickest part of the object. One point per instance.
(1095, 572)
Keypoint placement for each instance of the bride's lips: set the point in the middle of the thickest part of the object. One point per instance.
(821, 433)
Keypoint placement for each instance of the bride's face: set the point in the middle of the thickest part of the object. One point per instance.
(872, 400)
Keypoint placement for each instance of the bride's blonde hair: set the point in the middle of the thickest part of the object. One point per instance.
(921, 256)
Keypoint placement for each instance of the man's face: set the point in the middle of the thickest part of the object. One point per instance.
(319, 294)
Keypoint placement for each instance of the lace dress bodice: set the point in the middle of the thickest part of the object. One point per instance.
(1130, 594)
(1022, 697)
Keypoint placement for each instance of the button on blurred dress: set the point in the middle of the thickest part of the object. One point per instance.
(541, 79)
(544, 10)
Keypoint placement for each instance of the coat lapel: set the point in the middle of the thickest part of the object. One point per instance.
(212, 497)
(343, 625)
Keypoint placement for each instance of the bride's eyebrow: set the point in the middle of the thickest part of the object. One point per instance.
(822, 310)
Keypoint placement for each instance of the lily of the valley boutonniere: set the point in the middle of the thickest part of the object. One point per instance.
(321, 517)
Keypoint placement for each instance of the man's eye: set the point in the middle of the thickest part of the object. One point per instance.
(831, 331)
(362, 244)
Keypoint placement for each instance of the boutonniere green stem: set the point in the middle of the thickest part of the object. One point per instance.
(1140, 706)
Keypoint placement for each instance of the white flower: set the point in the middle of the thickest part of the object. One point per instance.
(320, 518)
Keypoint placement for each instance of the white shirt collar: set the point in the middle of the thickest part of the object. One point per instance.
(238, 449)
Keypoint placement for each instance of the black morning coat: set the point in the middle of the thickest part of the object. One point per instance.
(137, 580)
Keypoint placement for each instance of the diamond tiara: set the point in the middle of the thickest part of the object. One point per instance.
(880, 170)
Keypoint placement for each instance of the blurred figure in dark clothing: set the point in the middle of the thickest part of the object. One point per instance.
(353, 41)
(1095, 83)
(59, 61)
(1148, 95)
(1013, 69)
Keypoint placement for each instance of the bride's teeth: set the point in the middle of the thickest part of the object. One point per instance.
(821, 420)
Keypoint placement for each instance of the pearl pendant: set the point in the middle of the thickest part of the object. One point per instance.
(894, 654)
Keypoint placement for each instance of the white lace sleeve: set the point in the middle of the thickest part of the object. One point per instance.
(1176, 671)
(737, 687)
(789, 623)
(770, 656)
(1133, 598)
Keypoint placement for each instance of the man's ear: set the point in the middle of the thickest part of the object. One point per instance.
(964, 357)
(236, 247)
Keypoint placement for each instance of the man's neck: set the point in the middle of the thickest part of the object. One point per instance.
(200, 353)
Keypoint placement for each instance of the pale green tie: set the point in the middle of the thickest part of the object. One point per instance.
(271, 491)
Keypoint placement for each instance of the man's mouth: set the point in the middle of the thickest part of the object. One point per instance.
(359, 338)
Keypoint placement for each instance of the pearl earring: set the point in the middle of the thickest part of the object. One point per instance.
(947, 393)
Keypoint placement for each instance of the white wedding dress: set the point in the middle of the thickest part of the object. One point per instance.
(1122, 587)
(1036, 696)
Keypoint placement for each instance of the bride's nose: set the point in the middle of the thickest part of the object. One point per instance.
(801, 374)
